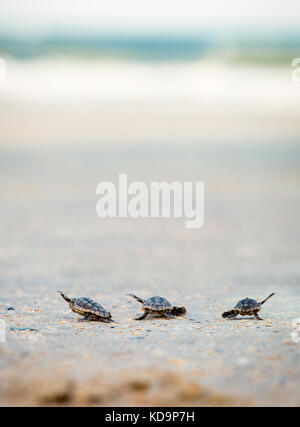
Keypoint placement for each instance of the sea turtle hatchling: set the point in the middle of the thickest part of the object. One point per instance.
(246, 307)
(88, 308)
(158, 306)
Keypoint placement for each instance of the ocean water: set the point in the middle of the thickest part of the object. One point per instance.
(265, 47)
(206, 74)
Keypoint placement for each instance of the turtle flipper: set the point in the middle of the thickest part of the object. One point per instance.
(230, 314)
(65, 297)
(143, 316)
(267, 298)
(108, 320)
(86, 318)
(137, 298)
(177, 311)
(255, 312)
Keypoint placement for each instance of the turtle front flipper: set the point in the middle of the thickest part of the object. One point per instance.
(143, 316)
(65, 297)
(177, 311)
(107, 320)
(255, 312)
(230, 314)
(137, 298)
(86, 318)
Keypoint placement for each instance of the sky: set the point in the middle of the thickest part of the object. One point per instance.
(144, 16)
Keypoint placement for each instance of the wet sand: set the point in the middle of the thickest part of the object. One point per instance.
(52, 239)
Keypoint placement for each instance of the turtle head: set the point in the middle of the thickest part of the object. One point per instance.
(230, 314)
(177, 311)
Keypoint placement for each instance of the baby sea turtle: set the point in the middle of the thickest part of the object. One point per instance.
(158, 306)
(88, 308)
(246, 307)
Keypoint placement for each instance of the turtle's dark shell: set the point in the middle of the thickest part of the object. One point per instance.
(157, 304)
(91, 310)
(247, 305)
(86, 306)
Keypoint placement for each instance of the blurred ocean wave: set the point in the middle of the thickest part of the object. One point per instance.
(265, 48)
(203, 73)
(86, 88)
(206, 85)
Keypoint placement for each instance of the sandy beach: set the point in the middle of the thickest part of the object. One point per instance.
(52, 239)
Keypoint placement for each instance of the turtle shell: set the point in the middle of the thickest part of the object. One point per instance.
(246, 305)
(85, 306)
(157, 304)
